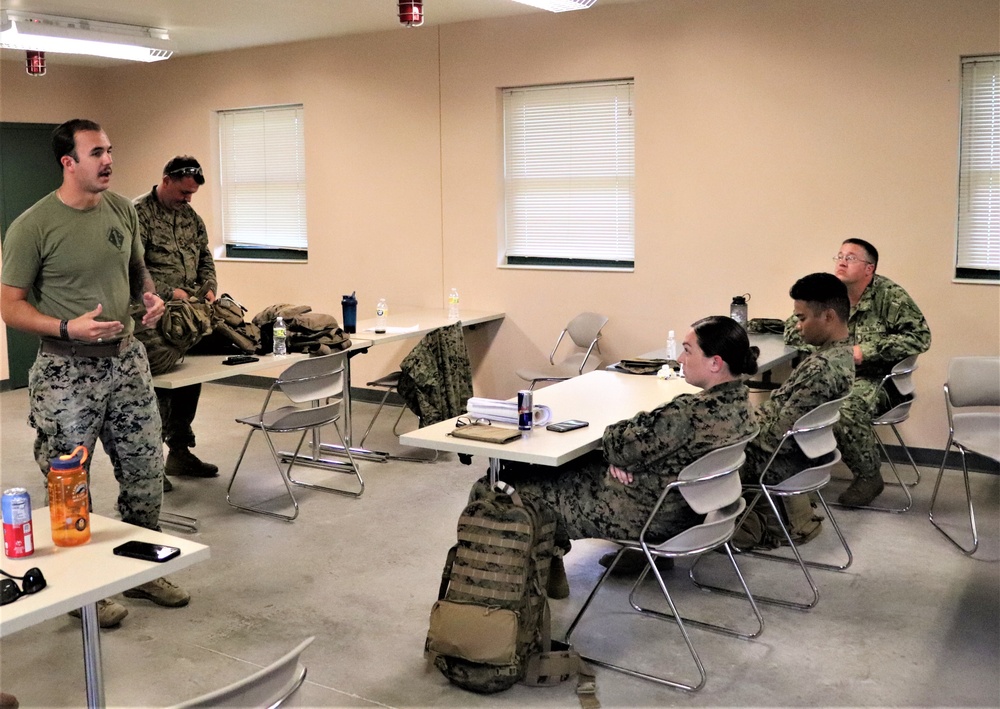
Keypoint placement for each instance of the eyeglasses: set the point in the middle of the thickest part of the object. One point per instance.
(186, 171)
(469, 421)
(849, 258)
(31, 582)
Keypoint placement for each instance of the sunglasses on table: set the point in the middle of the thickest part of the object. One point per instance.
(31, 582)
(471, 421)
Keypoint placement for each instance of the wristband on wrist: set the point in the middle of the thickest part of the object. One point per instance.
(64, 329)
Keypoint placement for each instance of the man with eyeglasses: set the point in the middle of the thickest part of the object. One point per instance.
(887, 327)
(181, 265)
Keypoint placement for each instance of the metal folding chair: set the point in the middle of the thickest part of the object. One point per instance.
(813, 433)
(711, 486)
(585, 331)
(972, 382)
(901, 377)
(315, 387)
(267, 687)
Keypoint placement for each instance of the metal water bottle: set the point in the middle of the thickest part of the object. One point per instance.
(738, 308)
(69, 499)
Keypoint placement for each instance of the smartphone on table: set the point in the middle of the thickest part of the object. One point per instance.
(568, 425)
(146, 551)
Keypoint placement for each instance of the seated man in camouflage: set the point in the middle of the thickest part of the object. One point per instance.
(821, 309)
(887, 327)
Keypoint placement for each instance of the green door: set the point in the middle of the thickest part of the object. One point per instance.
(28, 172)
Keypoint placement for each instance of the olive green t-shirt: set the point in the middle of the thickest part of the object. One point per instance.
(72, 259)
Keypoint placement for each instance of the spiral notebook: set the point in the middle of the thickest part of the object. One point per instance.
(489, 434)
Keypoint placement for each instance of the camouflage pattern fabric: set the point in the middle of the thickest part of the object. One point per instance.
(823, 376)
(436, 381)
(162, 355)
(889, 327)
(654, 446)
(76, 400)
(177, 252)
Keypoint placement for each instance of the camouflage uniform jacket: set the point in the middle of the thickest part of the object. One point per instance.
(886, 323)
(436, 376)
(656, 445)
(823, 376)
(176, 243)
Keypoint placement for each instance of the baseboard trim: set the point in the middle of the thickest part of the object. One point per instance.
(931, 458)
(5, 385)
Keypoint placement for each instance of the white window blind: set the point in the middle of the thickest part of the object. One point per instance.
(978, 254)
(263, 178)
(569, 174)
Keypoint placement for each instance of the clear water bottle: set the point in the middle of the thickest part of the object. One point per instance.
(453, 304)
(280, 337)
(381, 314)
(671, 346)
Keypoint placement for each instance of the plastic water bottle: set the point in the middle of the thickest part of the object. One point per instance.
(381, 314)
(671, 346)
(69, 499)
(453, 304)
(280, 338)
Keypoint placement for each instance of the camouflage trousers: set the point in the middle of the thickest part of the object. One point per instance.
(589, 503)
(177, 410)
(76, 400)
(854, 432)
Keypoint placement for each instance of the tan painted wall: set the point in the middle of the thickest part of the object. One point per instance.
(766, 133)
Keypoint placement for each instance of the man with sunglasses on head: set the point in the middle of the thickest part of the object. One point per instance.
(73, 273)
(887, 327)
(181, 265)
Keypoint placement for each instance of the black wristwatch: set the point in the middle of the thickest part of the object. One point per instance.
(64, 329)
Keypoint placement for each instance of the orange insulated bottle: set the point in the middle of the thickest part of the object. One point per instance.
(69, 499)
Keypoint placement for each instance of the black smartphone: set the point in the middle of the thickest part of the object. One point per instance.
(569, 425)
(146, 551)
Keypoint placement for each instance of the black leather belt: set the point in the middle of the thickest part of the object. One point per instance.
(73, 348)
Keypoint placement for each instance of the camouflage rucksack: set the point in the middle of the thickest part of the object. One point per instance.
(230, 332)
(185, 322)
(490, 628)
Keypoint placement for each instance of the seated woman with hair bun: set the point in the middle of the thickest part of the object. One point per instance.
(610, 492)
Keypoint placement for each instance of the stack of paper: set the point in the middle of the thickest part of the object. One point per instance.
(505, 411)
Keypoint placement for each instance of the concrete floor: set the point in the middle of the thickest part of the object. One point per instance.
(912, 623)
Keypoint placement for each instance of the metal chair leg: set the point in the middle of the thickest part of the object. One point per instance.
(342, 467)
(274, 453)
(699, 623)
(968, 498)
(634, 673)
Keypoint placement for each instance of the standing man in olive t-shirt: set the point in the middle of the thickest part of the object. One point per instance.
(72, 263)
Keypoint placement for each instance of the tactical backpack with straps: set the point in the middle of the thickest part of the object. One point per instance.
(490, 627)
(230, 332)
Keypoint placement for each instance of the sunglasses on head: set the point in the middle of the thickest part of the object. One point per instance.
(183, 171)
(31, 582)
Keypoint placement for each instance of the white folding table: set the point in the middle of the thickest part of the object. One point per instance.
(80, 576)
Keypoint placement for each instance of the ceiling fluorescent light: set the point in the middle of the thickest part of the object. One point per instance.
(49, 33)
(559, 5)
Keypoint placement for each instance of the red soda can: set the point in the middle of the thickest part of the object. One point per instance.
(17, 538)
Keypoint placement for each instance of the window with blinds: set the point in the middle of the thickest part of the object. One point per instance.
(569, 176)
(263, 183)
(978, 252)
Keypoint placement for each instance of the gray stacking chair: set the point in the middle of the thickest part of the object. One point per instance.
(901, 377)
(315, 387)
(973, 382)
(813, 433)
(268, 687)
(711, 486)
(585, 331)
